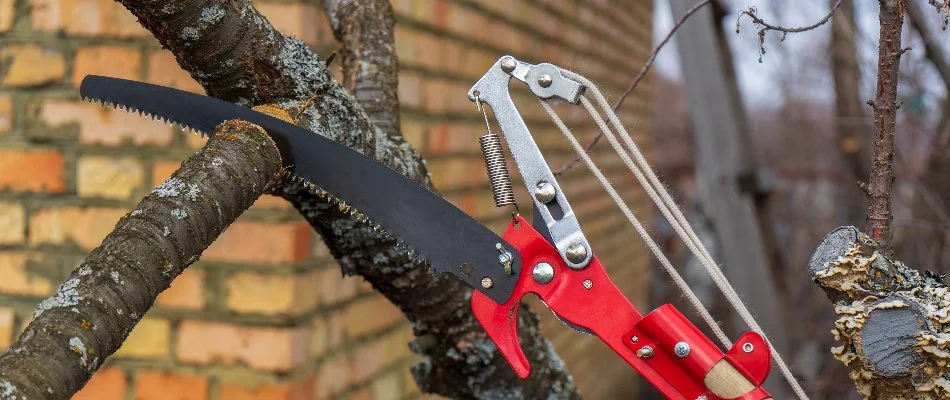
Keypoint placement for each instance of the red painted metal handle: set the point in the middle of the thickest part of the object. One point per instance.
(589, 299)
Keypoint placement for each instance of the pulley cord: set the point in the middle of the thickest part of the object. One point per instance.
(664, 201)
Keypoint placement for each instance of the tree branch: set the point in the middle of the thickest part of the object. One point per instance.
(239, 57)
(91, 314)
(764, 26)
(880, 183)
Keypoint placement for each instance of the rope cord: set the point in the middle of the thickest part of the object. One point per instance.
(668, 207)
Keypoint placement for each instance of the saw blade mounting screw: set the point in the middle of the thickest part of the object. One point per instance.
(545, 80)
(543, 273)
(681, 349)
(645, 352)
(576, 253)
(508, 64)
(487, 282)
(504, 258)
(545, 192)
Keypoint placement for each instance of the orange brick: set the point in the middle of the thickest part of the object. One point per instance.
(155, 385)
(108, 383)
(387, 387)
(31, 65)
(82, 226)
(102, 125)
(148, 340)
(410, 90)
(454, 138)
(300, 20)
(241, 242)
(370, 315)
(111, 178)
(7, 14)
(333, 375)
(335, 288)
(6, 114)
(367, 361)
(250, 292)
(266, 349)
(85, 18)
(114, 61)
(186, 291)
(6, 327)
(296, 390)
(12, 223)
(34, 170)
(17, 279)
(164, 70)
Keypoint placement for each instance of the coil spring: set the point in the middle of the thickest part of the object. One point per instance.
(497, 170)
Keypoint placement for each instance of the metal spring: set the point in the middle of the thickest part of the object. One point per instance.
(497, 170)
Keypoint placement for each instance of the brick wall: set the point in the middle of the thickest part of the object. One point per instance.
(274, 319)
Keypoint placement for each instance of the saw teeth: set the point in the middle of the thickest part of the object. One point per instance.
(140, 113)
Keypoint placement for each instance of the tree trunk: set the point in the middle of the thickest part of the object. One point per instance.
(726, 172)
(850, 125)
(91, 314)
(237, 56)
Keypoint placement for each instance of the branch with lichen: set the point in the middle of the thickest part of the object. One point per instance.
(90, 315)
(237, 56)
(753, 13)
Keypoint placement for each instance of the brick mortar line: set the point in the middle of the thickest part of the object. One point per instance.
(628, 46)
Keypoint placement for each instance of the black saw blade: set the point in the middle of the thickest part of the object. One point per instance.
(438, 231)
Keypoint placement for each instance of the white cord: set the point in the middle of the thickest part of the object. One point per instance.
(673, 214)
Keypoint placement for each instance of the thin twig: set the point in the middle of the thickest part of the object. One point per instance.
(636, 81)
(765, 26)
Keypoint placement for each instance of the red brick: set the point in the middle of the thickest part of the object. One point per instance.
(286, 242)
(108, 383)
(334, 288)
(298, 390)
(82, 226)
(156, 385)
(300, 20)
(454, 137)
(85, 18)
(265, 349)
(164, 70)
(367, 361)
(33, 170)
(30, 65)
(114, 61)
(6, 114)
(186, 291)
(6, 327)
(18, 280)
(103, 125)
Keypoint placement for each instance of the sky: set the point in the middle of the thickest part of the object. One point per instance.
(788, 63)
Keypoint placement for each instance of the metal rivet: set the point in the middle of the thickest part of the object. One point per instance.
(543, 273)
(508, 64)
(576, 253)
(487, 283)
(748, 347)
(588, 284)
(703, 397)
(545, 80)
(681, 349)
(635, 339)
(545, 192)
(645, 352)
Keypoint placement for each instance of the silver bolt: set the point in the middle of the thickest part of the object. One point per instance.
(703, 397)
(681, 349)
(635, 339)
(588, 284)
(545, 192)
(545, 80)
(504, 258)
(576, 253)
(543, 273)
(508, 64)
(748, 347)
(487, 283)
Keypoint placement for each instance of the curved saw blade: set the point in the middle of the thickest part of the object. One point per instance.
(441, 233)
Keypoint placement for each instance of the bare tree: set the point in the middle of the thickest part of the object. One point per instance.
(237, 56)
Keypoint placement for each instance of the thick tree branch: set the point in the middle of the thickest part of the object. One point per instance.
(238, 56)
(92, 313)
(881, 181)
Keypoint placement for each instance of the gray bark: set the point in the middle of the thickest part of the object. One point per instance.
(727, 172)
(92, 312)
